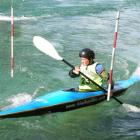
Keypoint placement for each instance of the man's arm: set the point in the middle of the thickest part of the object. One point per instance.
(102, 72)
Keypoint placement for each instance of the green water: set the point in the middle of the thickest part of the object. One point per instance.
(69, 25)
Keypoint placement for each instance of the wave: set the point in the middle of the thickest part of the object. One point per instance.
(20, 99)
(16, 100)
(131, 108)
(22, 18)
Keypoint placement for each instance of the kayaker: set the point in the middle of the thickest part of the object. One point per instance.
(90, 68)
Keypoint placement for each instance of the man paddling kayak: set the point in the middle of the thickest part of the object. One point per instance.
(90, 68)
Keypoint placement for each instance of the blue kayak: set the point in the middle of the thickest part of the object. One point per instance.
(64, 100)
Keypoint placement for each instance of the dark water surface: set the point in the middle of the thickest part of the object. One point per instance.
(69, 25)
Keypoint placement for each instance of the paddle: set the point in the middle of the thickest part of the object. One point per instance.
(46, 47)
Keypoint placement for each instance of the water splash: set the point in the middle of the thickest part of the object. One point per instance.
(22, 18)
(137, 71)
(17, 100)
(21, 98)
(37, 91)
(131, 108)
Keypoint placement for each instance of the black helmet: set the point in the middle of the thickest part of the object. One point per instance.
(87, 53)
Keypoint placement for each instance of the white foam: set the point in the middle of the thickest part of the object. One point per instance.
(131, 108)
(17, 100)
(20, 98)
(137, 71)
(22, 18)
(38, 90)
(5, 18)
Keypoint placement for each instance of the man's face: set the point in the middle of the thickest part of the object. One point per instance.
(84, 61)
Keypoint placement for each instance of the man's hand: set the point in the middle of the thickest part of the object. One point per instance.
(76, 70)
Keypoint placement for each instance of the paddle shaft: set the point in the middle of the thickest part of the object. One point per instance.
(70, 65)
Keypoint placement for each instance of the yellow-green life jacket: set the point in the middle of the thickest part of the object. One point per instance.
(90, 71)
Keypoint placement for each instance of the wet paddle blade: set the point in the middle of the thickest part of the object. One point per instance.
(46, 47)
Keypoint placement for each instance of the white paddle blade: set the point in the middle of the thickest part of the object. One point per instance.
(46, 47)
